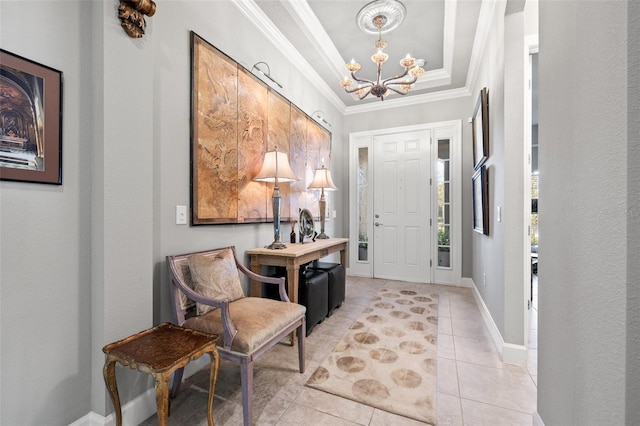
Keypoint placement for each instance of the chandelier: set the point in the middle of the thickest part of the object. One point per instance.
(382, 16)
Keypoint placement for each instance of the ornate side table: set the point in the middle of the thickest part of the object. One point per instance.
(160, 351)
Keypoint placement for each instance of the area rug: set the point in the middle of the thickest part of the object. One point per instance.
(387, 358)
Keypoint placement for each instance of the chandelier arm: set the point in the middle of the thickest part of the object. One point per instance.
(365, 94)
(395, 77)
(362, 80)
(397, 91)
(368, 83)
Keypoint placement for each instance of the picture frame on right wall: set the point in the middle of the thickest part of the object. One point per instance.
(480, 129)
(480, 185)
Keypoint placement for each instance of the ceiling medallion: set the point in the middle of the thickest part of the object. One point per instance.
(382, 16)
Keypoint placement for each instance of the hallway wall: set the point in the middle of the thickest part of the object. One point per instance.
(584, 216)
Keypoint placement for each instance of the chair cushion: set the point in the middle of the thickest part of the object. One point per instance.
(215, 277)
(256, 319)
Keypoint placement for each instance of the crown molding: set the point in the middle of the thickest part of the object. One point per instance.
(408, 101)
(487, 13)
(302, 13)
(258, 18)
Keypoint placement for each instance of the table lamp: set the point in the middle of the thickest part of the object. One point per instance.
(322, 180)
(276, 169)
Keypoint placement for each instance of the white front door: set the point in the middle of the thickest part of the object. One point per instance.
(402, 206)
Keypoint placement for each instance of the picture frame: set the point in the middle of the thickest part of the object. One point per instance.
(235, 119)
(30, 121)
(480, 187)
(480, 129)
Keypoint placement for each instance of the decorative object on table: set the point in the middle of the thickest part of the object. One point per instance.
(235, 118)
(292, 235)
(131, 14)
(247, 327)
(30, 121)
(480, 187)
(378, 17)
(276, 169)
(480, 129)
(322, 180)
(388, 357)
(306, 225)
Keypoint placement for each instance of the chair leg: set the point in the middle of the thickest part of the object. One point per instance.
(246, 377)
(301, 339)
(177, 380)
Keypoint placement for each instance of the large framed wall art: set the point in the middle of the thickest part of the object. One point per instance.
(480, 201)
(480, 129)
(235, 119)
(30, 121)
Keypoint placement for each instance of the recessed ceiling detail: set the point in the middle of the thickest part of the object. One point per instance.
(381, 16)
(448, 34)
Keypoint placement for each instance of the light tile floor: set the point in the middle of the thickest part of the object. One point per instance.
(474, 386)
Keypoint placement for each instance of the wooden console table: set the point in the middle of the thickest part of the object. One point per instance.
(292, 258)
(160, 351)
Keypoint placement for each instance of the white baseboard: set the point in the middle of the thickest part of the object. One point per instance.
(510, 353)
(467, 282)
(141, 407)
(537, 420)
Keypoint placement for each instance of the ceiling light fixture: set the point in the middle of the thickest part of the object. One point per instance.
(266, 74)
(382, 16)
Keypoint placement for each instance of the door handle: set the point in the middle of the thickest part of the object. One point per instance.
(377, 224)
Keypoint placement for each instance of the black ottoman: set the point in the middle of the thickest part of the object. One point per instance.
(313, 292)
(271, 291)
(336, 274)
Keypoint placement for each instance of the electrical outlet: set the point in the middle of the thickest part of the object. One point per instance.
(181, 215)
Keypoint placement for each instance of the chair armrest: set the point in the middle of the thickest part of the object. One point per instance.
(262, 278)
(230, 329)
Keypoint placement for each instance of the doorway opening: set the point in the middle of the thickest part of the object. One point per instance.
(405, 203)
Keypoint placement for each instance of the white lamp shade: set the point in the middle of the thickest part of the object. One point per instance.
(275, 165)
(322, 180)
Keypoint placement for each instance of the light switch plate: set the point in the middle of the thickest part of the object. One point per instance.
(181, 215)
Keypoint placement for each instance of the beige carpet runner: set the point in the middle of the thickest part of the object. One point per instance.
(387, 359)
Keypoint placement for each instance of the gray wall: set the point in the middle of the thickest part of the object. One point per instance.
(45, 243)
(633, 216)
(82, 264)
(488, 250)
(584, 218)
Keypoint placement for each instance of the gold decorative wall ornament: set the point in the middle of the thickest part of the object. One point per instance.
(131, 14)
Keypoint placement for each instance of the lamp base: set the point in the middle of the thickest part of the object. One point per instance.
(322, 236)
(276, 245)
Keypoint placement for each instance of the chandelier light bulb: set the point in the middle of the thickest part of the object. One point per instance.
(407, 61)
(346, 82)
(379, 57)
(416, 72)
(352, 66)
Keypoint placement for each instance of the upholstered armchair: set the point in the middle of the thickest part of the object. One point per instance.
(207, 296)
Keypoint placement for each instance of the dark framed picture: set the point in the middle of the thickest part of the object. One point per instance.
(30, 121)
(480, 129)
(480, 187)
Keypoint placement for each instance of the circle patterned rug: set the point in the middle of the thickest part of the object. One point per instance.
(387, 358)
